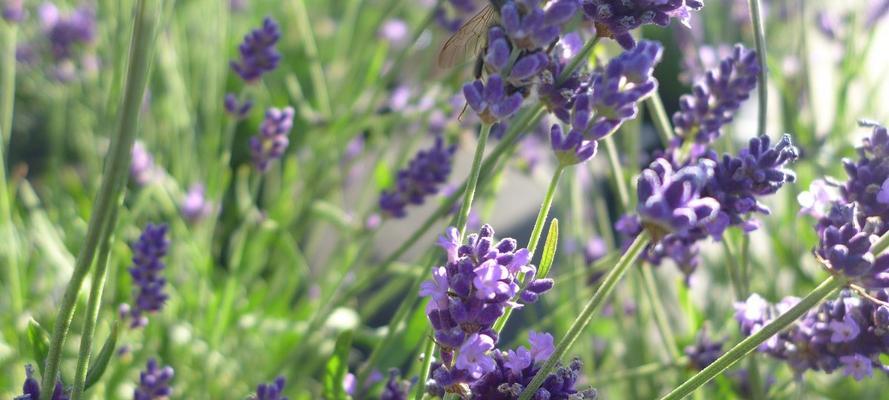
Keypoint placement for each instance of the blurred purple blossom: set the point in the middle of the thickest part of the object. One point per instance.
(154, 382)
(272, 140)
(257, 53)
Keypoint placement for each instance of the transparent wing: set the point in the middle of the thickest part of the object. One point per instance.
(468, 40)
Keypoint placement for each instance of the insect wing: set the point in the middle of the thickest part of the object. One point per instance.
(469, 39)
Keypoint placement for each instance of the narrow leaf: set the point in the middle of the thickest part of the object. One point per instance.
(97, 368)
(337, 366)
(39, 340)
(549, 249)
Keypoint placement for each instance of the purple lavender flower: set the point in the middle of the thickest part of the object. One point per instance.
(703, 351)
(468, 294)
(626, 80)
(272, 390)
(519, 73)
(616, 18)
(490, 100)
(671, 201)
(716, 97)
(194, 205)
(842, 333)
(396, 388)
(846, 250)
(154, 382)
(513, 371)
(142, 168)
(148, 252)
(530, 26)
(541, 345)
(594, 249)
(395, 31)
(424, 176)
(31, 387)
(816, 201)
(738, 182)
(258, 53)
(272, 141)
(236, 109)
(877, 10)
(13, 10)
(572, 148)
(67, 32)
(867, 176)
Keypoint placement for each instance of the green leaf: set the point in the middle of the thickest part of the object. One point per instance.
(337, 366)
(39, 340)
(97, 368)
(383, 176)
(549, 249)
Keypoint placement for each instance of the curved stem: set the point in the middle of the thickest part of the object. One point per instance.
(472, 182)
(640, 371)
(113, 177)
(659, 117)
(428, 348)
(759, 35)
(753, 341)
(7, 100)
(93, 307)
(660, 314)
(586, 315)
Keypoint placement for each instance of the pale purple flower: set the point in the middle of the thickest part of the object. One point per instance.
(195, 205)
(395, 31)
(818, 198)
(518, 359)
(541, 345)
(437, 288)
(450, 242)
(474, 358)
(844, 331)
(883, 194)
(857, 366)
(490, 280)
(349, 384)
(142, 169)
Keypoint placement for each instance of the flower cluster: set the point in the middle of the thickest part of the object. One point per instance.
(703, 352)
(272, 141)
(396, 388)
(271, 391)
(514, 370)
(31, 387)
(849, 332)
(616, 18)
(491, 100)
(715, 98)
(868, 175)
(13, 10)
(236, 109)
(67, 32)
(844, 248)
(154, 382)
(258, 53)
(424, 176)
(148, 252)
(670, 201)
(468, 294)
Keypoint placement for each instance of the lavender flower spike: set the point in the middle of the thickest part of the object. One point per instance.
(31, 387)
(671, 202)
(272, 141)
(258, 53)
(616, 18)
(154, 382)
(148, 252)
(236, 109)
(715, 98)
(271, 391)
(424, 176)
(13, 10)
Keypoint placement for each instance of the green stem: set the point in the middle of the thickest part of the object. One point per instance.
(753, 341)
(316, 70)
(472, 182)
(640, 371)
(93, 307)
(880, 246)
(617, 171)
(113, 177)
(535, 233)
(586, 315)
(582, 56)
(659, 116)
(7, 100)
(733, 269)
(760, 41)
(428, 348)
(660, 314)
(7, 83)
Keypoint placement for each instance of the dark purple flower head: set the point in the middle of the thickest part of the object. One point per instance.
(671, 201)
(468, 294)
(530, 26)
(626, 80)
(846, 333)
(715, 98)
(616, 18)
(703, 351)
(739, 181)
(490, 99)
(154, 382)
(272, 140)
(558, 96)
(236, 109)
(258, 53)
(271, 391)
(846, 250)
(65, 33)
(31, 387)
(13, 10)
(497, 60)
(423, 177)
(148, 253)
(574, 147)
(396, 388)
(868, 175)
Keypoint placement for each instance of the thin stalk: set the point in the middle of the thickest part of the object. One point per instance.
(586, 315)
(640, 371)
(114, 175)
(749, 344)
(759, 35)
(7, 100)
(659, 116)
(316, 70)
(733, 269)
(660, 314)
(535, 233)
(94, 305)
(582, 56)
(617, 171)
(7, 83)
(472, 182)
(428, 348)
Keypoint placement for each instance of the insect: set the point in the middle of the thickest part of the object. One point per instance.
(471, 39)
